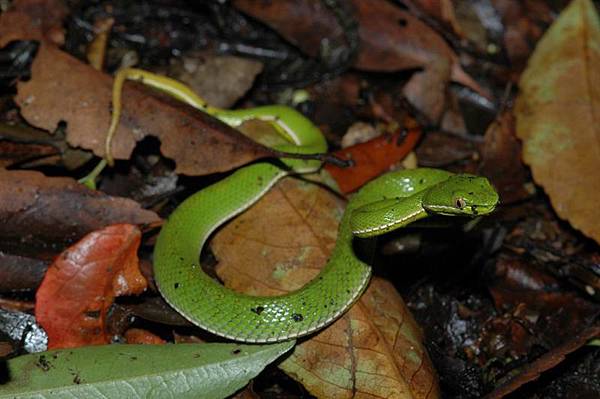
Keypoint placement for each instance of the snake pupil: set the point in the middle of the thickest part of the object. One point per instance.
(257, 310)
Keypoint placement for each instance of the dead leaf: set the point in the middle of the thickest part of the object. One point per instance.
(438, 150)
(140, 336)
(304, 23)
(63, 88)
(15, 153)
(556, 117)
(19, 273)
(198, 143)
(222, 79)
(441, 10)
(372, 158)
(501, 160)
(526, 291)
(524, 23)
(39, 210)
(548, 361)
(373, 350)
(80, 286)
(33, 20)
(392, 39)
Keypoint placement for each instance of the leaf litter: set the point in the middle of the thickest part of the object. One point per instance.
(491, 299)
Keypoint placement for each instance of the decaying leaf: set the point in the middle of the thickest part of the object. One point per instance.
(40, 210)
(19, 273)
(33, 20)
(557, 116)
(63, 88)
(391, 39)
(220, 79)
(305, 23)
(548, 361)
(80, 286)
(501, 161)
(373, 350)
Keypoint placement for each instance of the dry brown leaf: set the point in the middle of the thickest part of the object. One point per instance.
(374, 350)
(40, 210)
(33, 20)
(222, 79)
(557, 116)
(63, 88)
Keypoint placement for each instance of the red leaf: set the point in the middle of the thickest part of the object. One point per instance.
(81, 284)
(140, 336)
(372, 158)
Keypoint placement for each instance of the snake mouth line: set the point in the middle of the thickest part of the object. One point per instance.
(387, 226)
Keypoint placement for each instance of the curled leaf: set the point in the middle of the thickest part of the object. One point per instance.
(80, 286)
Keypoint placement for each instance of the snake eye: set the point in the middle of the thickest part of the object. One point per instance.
(460, 203)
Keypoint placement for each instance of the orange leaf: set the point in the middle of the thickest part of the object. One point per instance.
(81, 284)
(140, 336)
(372, 158)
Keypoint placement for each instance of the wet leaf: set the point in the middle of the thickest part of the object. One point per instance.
(80, 286)
(563, 148)
(140, 371)
(39, 210)
(375, 349)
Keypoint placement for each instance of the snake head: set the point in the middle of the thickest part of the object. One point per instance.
(461, 195)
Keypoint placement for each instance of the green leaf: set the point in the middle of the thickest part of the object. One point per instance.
(138, 371)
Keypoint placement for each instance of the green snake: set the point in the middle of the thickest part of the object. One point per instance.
(387, 203)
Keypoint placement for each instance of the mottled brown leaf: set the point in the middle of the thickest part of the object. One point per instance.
(40, 210)
(63, 88)
(374, 350)
(557, 115)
